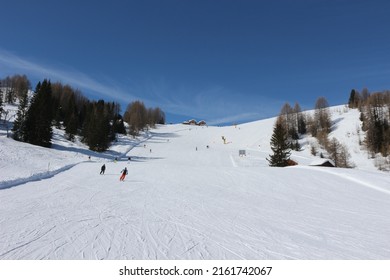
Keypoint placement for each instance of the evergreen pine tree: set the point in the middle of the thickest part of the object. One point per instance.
(354, 99)
(280, 146)
(39, 117)
(1, 101)
(19, 128)
(96, 128)
(71, 119)
(118, 125)
(103, 126)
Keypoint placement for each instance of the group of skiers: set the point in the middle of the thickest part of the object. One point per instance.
(124, 172)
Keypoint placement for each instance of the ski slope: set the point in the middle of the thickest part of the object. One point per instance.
(182, 200)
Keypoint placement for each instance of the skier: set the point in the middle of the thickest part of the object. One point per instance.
(124, 173)
(103, 169)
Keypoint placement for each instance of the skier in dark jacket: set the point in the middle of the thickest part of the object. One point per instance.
(103, 169)
(124, 173)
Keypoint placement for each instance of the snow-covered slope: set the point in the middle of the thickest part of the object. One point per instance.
(182, 200)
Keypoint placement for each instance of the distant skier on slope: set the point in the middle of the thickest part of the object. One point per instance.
(124, 173)
(103, 169)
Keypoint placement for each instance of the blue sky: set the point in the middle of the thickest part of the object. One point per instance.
(222, 61)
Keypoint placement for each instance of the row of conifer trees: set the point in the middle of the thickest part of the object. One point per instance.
(96, 122)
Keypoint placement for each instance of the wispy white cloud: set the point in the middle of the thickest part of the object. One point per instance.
(231, 119)
(215, 104)
(153, 93)
(73, 77)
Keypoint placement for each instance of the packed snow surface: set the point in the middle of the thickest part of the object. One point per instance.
(190, 196)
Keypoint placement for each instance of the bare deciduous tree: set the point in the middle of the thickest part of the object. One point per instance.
(338, 153)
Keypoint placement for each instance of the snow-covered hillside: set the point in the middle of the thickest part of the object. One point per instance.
(184, 200)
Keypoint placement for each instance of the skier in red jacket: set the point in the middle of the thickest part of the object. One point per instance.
(124, 173)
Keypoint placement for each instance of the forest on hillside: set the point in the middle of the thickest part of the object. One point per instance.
(56, 105)
(98, 122)
(292, 124)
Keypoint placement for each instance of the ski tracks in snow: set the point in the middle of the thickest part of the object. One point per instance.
(185, 212)
(345, 176)
(36, 177)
